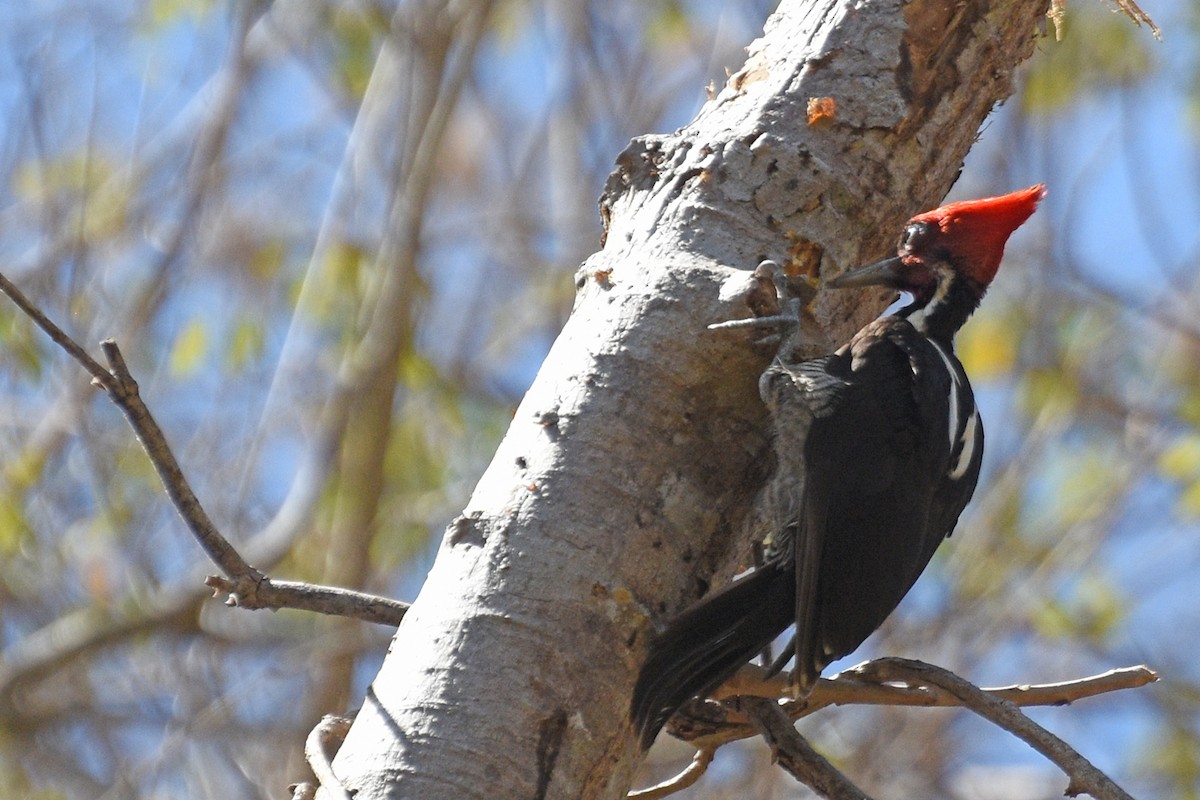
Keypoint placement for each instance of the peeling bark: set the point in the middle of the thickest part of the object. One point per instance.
(621, 490)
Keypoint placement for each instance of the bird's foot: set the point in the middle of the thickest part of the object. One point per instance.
(776, 301)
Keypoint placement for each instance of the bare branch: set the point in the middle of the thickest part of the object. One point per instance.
(1084, 777)
(247, 586)
(683, 780)
(99, 374)
(332, 600)
(319, 748)
(846, 688)
(792, 752)
(1139, 17)
(1066, 692)
(123, 390)
(710, 724)
(851, 688)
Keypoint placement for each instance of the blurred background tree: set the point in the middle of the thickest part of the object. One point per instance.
(335, 275)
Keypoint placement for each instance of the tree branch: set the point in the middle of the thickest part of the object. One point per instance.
(123, 390)
(247, 587)
(753, 703)
(849, 688)
(331, 600)
(683, 780)
(319, 748)
(1084, 777)
(858, 686)
(793, 752)
(99, 374)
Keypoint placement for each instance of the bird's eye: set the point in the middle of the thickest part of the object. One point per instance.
(916, 236)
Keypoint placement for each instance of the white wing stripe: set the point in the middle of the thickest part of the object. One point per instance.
(968, 447)
(953, 404)
(965, 440)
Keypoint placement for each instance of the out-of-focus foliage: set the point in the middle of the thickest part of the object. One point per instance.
(335, 239)
(1096, 53)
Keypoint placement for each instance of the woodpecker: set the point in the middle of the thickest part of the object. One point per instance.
(877, 450)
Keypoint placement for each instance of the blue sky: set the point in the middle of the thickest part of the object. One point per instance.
(1100, 155)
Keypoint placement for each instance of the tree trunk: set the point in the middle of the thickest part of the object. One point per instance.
(619, 493)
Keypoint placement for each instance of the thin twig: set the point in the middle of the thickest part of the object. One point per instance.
(711, 725)
(99, 374)
(792, 752)
(334, 600)
(850, 688)
(247, 587)
(726, 724)
(123, 390)
(1139, 17)
(1084, 777)
(322, 744)
(683, 780)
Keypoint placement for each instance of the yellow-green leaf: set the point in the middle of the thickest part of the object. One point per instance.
(166, 12)
(357, 33)
(1088, 486)
(1189, 500)
(20, 342)
(264, 264)
(25, 470)
(1048, 391)
(245, 344)
(190, 348)
(337, 280)
(87, 184)
(1052, 620)
(1098, 50)
(1180, 460)
(14, 528)
(987, 348)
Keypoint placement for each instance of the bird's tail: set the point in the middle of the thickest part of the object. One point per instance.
(709, 642)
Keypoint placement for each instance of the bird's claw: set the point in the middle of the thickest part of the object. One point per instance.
(775, 302)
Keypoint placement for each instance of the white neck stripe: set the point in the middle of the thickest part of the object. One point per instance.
(920, 317)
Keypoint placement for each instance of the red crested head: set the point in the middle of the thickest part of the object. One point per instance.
(973, 232)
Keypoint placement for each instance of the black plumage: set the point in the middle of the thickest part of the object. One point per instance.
(878, 448)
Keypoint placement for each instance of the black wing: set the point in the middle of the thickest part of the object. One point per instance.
(877, 451)
(878, 484)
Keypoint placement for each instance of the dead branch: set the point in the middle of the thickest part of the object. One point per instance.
(792, 752)
(1131, 9)
(321, 746)
(247, 587)
(332, 600)
(683, 780)
(851, 687)
(887, 682)
(1084, 777)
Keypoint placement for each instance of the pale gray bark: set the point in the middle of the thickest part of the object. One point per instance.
(619, 491)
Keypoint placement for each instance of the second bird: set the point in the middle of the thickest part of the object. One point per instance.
(877, 450)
